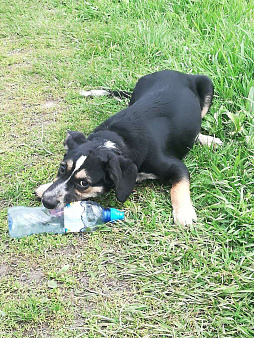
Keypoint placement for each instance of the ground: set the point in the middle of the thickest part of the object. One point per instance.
(144, 277)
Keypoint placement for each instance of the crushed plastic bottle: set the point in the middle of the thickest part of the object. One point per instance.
(84, 216)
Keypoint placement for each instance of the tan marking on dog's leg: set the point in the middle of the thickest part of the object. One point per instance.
(42, 188)
(183, 210)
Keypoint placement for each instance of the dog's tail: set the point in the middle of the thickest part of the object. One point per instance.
(121, 94)
(205, 90)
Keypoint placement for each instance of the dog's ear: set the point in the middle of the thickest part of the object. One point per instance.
(73, 139)
(123, 173)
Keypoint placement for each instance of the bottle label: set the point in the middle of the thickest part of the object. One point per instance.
(80, 216)
(72, 217)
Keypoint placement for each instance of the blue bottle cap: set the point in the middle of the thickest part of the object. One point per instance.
(112, 214)
(116, 214)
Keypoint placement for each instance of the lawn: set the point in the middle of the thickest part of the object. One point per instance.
(144, 277)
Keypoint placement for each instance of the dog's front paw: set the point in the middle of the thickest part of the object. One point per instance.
(185, 215)
(41, 189)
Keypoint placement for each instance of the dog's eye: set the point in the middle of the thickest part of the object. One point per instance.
(82, 185)
(62, 169)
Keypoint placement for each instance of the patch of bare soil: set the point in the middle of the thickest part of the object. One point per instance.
(34, 277)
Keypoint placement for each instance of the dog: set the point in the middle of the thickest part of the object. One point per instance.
(146, 140)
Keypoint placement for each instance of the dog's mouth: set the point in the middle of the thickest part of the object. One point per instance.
(59, 202)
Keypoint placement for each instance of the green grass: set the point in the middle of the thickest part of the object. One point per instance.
(144, 277)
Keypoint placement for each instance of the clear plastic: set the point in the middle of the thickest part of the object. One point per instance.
(75, 217)
(83, 216)
(25, 221)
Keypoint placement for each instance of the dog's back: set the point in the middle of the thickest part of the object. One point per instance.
(201, 85)
(164, 113)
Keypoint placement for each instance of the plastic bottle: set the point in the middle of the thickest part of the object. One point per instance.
(82, 216)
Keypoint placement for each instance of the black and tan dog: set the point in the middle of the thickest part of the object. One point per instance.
(147, 140)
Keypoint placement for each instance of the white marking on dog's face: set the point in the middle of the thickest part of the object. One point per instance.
(79, 163)
(42, 188)
(59, 192)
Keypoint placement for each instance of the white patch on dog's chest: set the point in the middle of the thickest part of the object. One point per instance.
(109, 145)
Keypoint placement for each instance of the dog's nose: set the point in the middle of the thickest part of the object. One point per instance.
(49, 203)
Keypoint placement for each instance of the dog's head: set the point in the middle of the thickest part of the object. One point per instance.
(88, 169)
